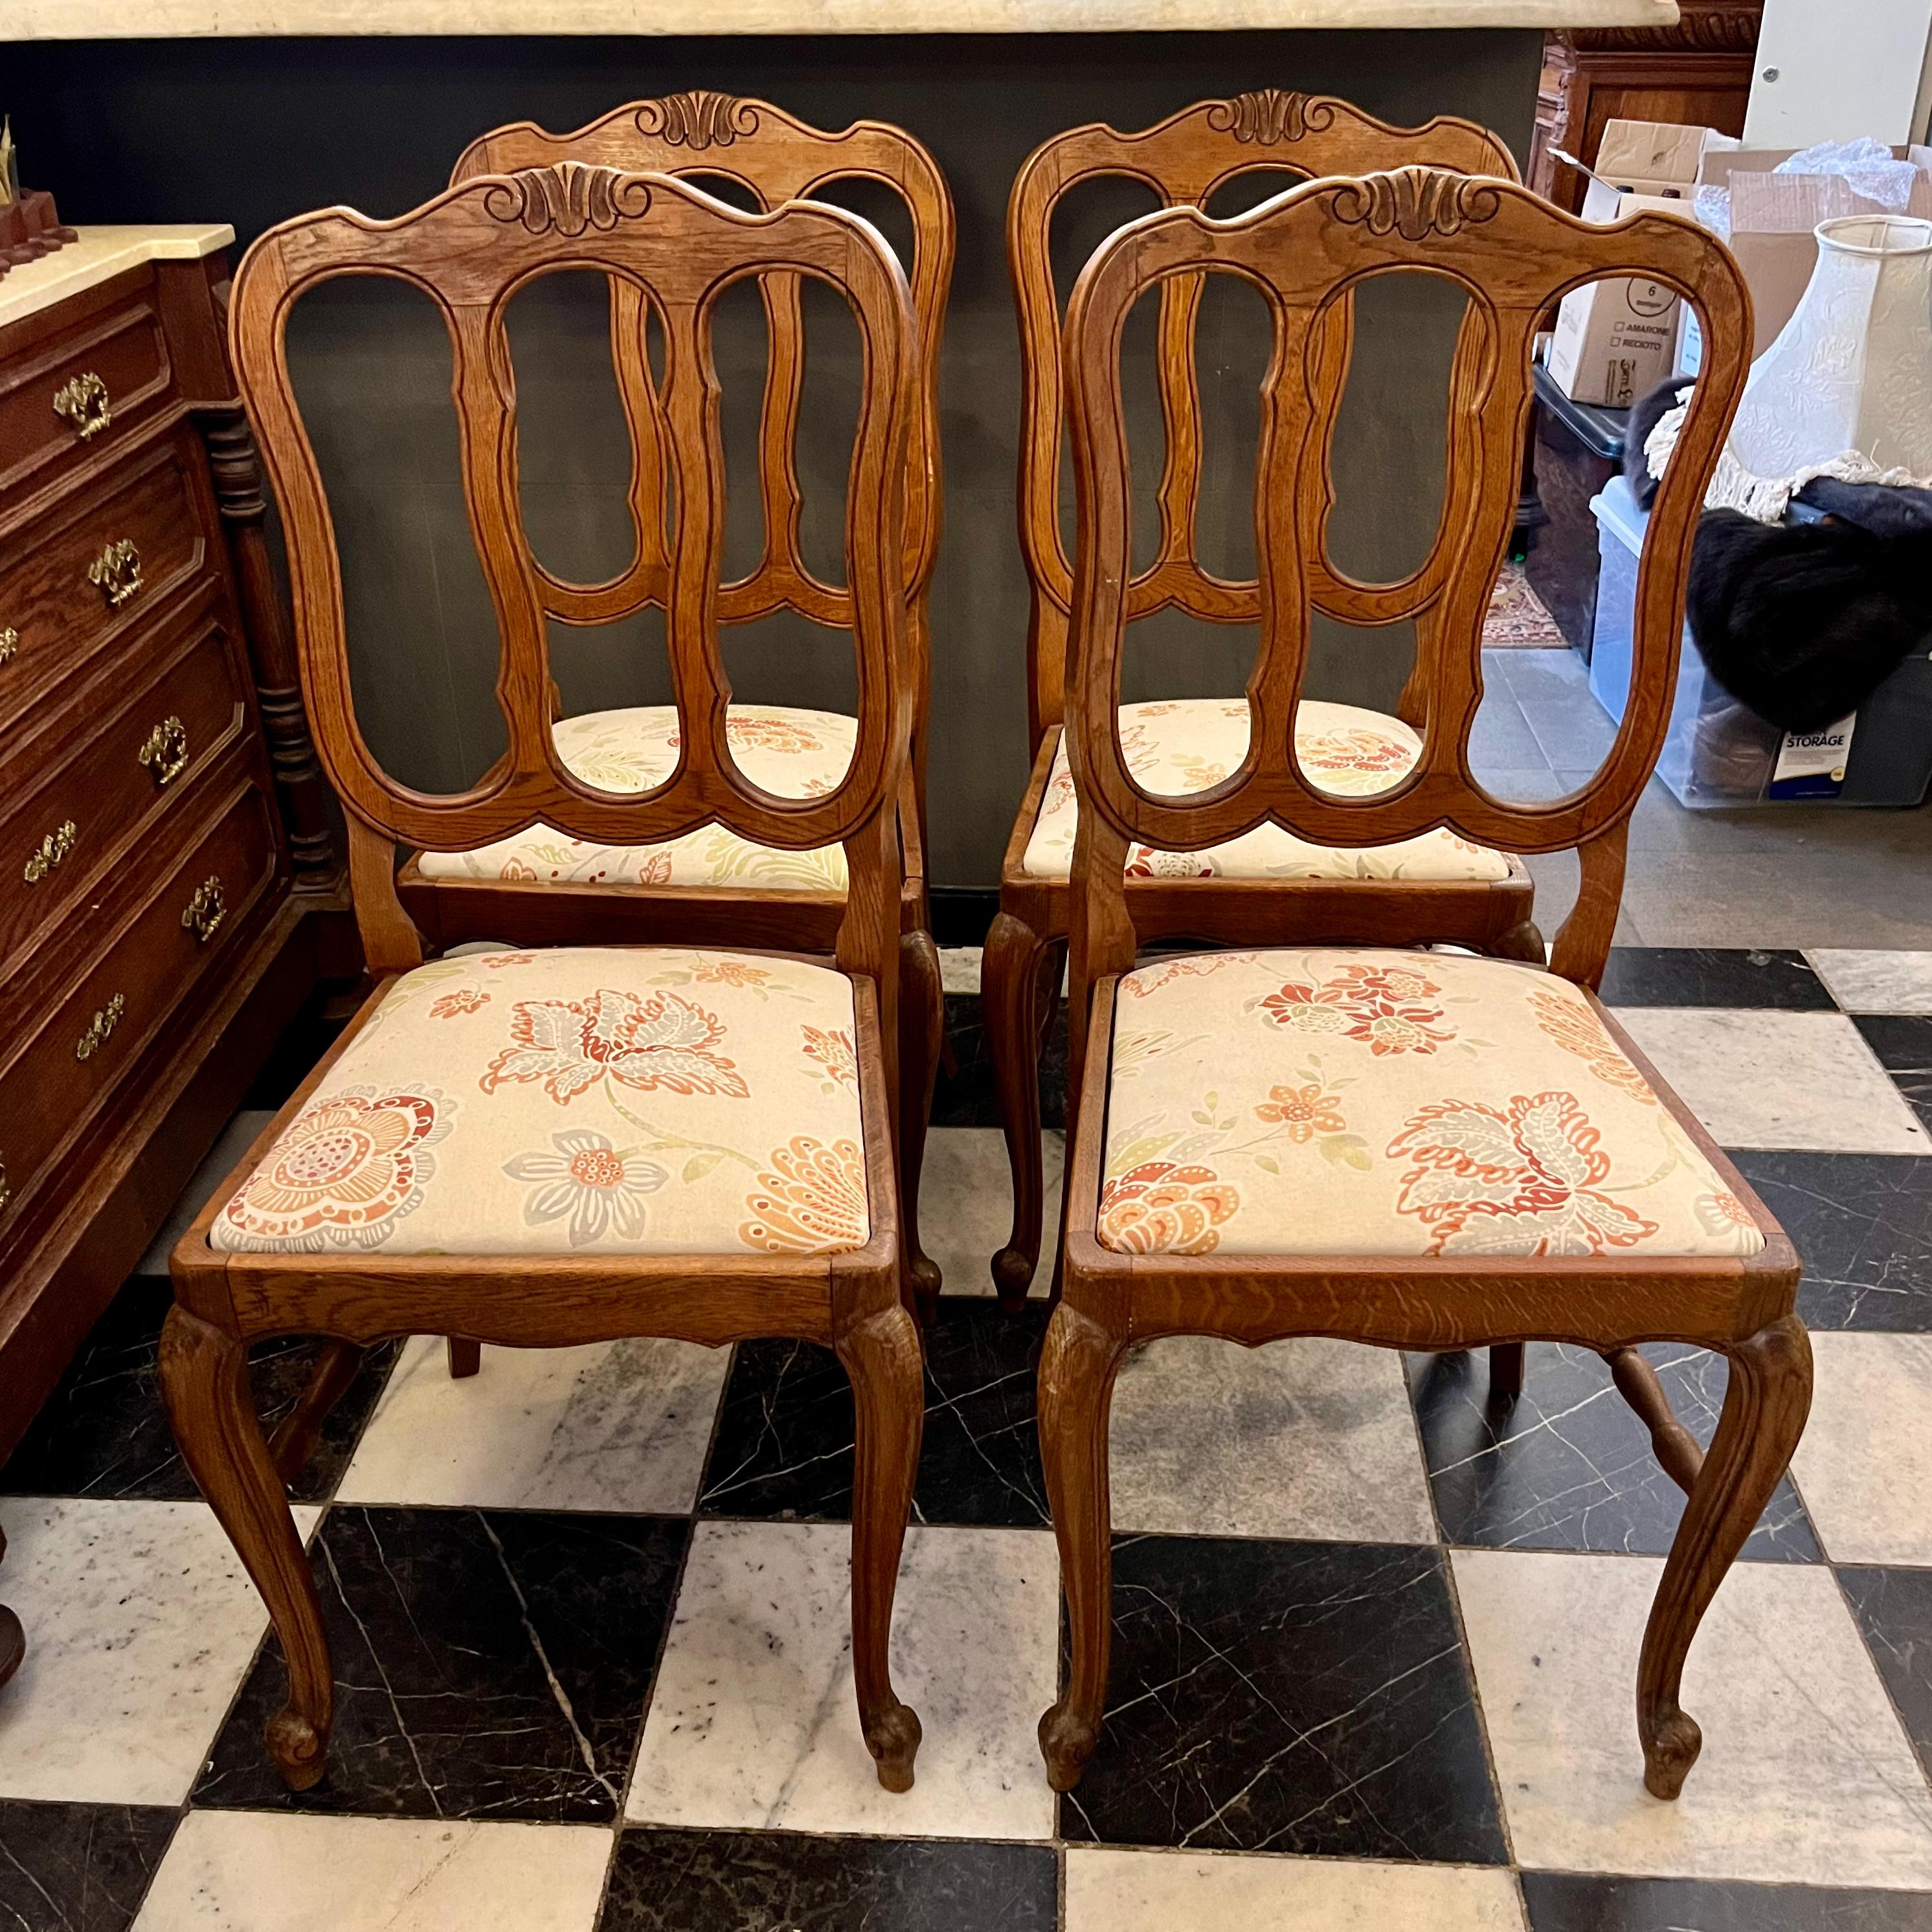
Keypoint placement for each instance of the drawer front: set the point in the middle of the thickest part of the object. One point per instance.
(82, 389)
(95, 1030)
(109, 789)
(75, 581)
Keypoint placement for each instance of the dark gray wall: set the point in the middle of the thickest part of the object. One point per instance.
(250, 132)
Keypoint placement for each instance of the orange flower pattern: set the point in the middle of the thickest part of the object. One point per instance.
(1162, 1207)
(572, 1045)
(832, 1051)
(726, 971)
(811, 1200)
(1389, 1009)
(464, 999)
(1578, 1031)
(1305, 1111)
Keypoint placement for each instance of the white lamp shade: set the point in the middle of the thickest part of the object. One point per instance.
(1852, 369)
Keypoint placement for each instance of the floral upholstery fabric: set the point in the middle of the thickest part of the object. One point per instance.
(1368, 1101)
(589, 1099)
(791, 754)
(1188, 744)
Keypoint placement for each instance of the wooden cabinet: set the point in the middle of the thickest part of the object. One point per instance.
(1698, 72)
(163, 828)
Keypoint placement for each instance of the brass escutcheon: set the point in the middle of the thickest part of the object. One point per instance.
(84, 403)
(100, 1027)
(10, 643)
(116, 572)
(205, 911)
(53, 848)
(165, 755)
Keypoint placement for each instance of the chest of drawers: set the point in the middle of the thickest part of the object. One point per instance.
(163, 828)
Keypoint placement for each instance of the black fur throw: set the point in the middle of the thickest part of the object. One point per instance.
(1644, 417)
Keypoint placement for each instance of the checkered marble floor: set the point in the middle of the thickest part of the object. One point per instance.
(1376, 1635)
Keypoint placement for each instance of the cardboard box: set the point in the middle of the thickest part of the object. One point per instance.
(1616, 340)
(1773, 217)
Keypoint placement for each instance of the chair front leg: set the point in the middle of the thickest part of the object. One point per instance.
(1765, 1402)
(882, 1357)
(1077, 1363)
(204, 1381)
(1009, 968)
(922, 1034)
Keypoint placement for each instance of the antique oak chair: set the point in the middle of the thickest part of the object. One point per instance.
(1271, 886)
(540, 887)
(1419, 1150)
(546, 1148)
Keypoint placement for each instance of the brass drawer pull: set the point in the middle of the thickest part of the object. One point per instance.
(103, 1024)
(116, 572)
(165, 755)
(10, 643)
(205, 911)
(84, 403)
(54, 847)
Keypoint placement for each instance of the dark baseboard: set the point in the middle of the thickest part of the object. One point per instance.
(960, 914)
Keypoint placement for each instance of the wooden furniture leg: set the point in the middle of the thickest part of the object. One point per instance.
(882, 1357)
(1077, 1367)
(921, 1031)
(1506, 1363)
(296, 1435)
(13, 1637)
(1766, 1403)
(204, 1381)
(1009, 974)
(1674, 1446)
(465, 1358)
(1522, 941)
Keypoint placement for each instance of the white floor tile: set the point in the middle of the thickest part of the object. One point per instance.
(140, 1622)
(753, 1725)
(1163, 1892)
(959, 968)
(223, 1158)
(1864, 1464)
(1302, 1439)
(1805, 1776)
(1763, 1079)
(620, 1425)
(269, 1872)
(966, 1205)
(1885, 982)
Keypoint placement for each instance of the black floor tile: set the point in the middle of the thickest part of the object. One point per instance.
(1302, 1697)
(1568, 1465)
(1903, 1044)
(103, 1432)
(488, 1664)
(1894, 1608)
(1702, 975)
(967, 1096)
(78, 1867)
(1564, 1902)
(784, 1443)
(729, 1881)
(1862, 1225)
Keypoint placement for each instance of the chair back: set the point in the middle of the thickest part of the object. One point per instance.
(1514, 256)
(677, 250)
(1184, 159)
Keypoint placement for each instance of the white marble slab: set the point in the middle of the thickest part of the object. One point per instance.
(101, 253)
(959, 968)
(109, 19)
(753, 1724)
(1876, 982)
(1302, 1439)
(268, 1872)
(1805, 1776)
(1164, 1892)
(617, 1426)
(140, 1622)
(1864, 1464)
(966, 1205)
(1765, 1079)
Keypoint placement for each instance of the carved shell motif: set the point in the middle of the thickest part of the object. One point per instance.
(1416, 203)
(1271, 116)
(569, 197)
(700, 118)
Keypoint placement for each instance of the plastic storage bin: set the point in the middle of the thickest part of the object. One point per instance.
(1716, 753)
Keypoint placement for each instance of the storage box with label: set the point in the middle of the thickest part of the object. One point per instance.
(1616, 340)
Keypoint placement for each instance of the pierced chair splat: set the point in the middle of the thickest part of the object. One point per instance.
(1520, 1171)
(501, 1148)
(1267, 886)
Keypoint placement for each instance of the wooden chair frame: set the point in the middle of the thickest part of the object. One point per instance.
(1185, 159)
(1514, 256)
(776, 158)
(469, 251)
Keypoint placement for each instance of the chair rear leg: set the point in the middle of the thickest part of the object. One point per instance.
(1766, 1403)
(204, 1381)
(1506, 1369)
(1077, 1367)
(922, 1032)
(1009, 970)
(465, 1358)
(882, 1357)
(1675, 1447)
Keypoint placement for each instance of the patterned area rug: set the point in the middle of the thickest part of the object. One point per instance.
(1518, 619)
